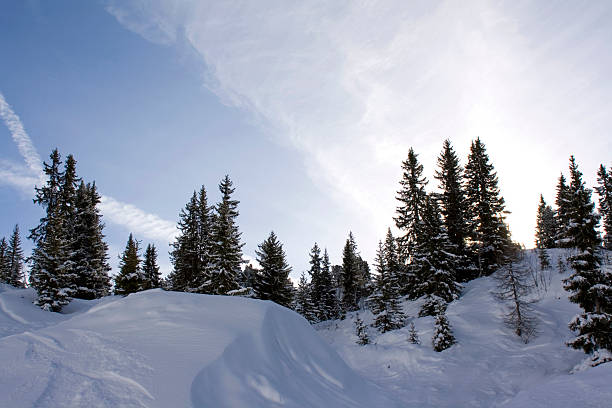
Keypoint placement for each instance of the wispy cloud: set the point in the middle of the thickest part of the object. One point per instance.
(353, 84)
(26, 177)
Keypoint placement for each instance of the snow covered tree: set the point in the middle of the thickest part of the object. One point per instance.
(192, 248)
(272, 282)
(412, 201)
(443, 337)
(489, 233)
(48, 271)
(562, 202)
(303, 300)
(150, 268)
(513, 286)
(413, 336)
(546, 229)
(361, 331)
(4, 264)
(604, 190)
(328, 303)
(88, 251)
(131, 278)
(590, 285)
(453, 207)
(316, 284)
(351, 271)
(385, 301)
(14, 259)
(433, 261)
(226, 249)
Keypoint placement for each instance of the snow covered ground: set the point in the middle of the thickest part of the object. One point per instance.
(166, 349)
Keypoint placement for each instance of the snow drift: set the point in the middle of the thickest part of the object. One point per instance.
(166, 349)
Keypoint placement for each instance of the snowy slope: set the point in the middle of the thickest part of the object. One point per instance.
(489, 366)
(165, 349)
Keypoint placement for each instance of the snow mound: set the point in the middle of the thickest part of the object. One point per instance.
(167, 349)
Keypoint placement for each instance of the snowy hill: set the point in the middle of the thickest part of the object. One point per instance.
(166, 349)
(490, 365)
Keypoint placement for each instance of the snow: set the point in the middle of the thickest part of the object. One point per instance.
(167, 349)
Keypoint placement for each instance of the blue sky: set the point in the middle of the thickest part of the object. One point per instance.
(309, 107)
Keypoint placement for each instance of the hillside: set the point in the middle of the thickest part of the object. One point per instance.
(167, 349)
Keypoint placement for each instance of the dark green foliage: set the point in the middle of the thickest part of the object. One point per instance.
(352, 275)
(226, 249)
(489, 234)
(4, 263)
(443, 337)
(412, 201)
(150, 268)
(453, 207)
(88, 251)
(361, 331)
(432, 306)
(546, 226)
(413, 336)
(272, 282)
(562, 201)
(385, 300)
(328, 306)
(316, 282)
(304, 304)
(131, 278)
(248, 276)
(604, 190)
(192, 249)
(12, 258)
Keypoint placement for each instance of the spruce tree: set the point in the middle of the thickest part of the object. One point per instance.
(350, 275)
(226, 249)
(590, 285)
(413, 336)
(443, 337)
(150, 268)
(453, 207)
(14, 258)
(328, 304)
(188, 270)
(361, 331)
(272, 282)
(48, 272)
(412, 201)
(4, 264)
(604, 190)
(304, 304)
(88, 251)
(546, 229)
(131, 278)
(316, 282)
(489, 233)
(562, 215)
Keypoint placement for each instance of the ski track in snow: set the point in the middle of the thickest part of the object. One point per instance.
(11, 314)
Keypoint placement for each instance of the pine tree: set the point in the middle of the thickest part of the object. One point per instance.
(4, 264)
(272, 282)
(88, 251)
(361, 331)
(304, 304)
(131, 278)
(14, 258)
(443, 336)
(350, 275)
(562, 202)
(546, 229)
(489, 233)
(328, 304)
(413, 336)
(590, 285)
(604, 190)
(226, 249)
(453, 207)
(150, 268)
(412, 201)
(48, 272)
(434, 262)
(316, 283)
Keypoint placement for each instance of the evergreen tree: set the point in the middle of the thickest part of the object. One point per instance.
(361, 331)
(189, 272)
(562, 202)
(546, 229)
(434, 262)
(88, 252)
(303, 300)
(4, 263)
(131, 278)
(328, 304)
(249, 274)
(443, 336)
(350, 275)
(316, 282)
(48, 272)
(590, 285)
(412, 201)
(150, 268)
(14, 259)
(226, 249)
(604, 190)
(272, 282)
(453, 207)
(413, 336)
(489, 233)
